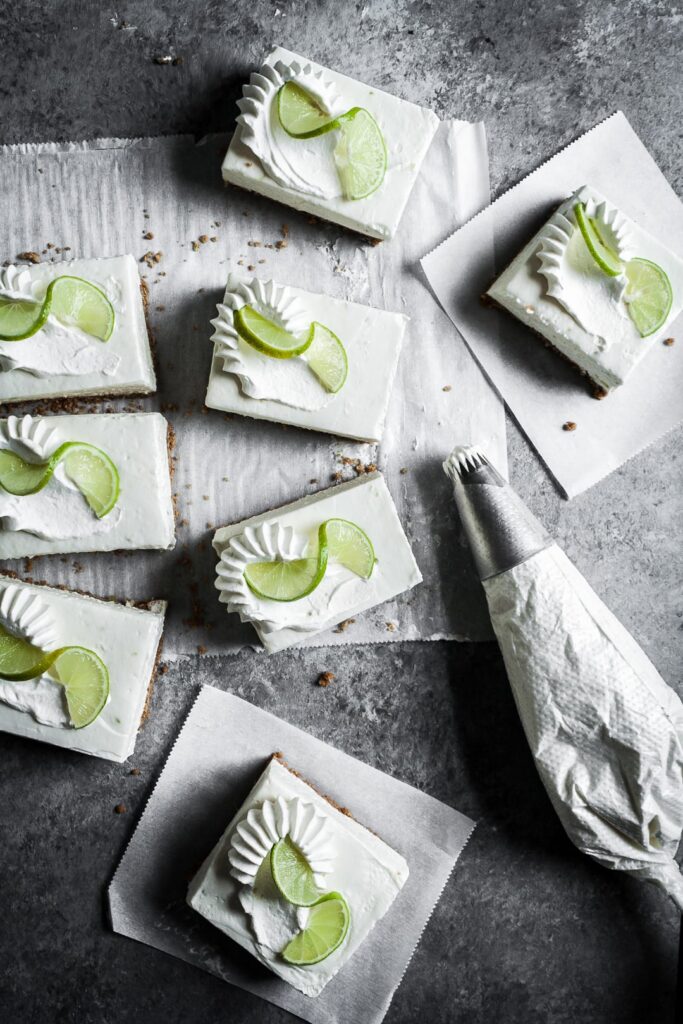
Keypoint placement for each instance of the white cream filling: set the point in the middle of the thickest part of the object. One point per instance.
(57, 349)
(595, 300)
(305, 165)
(339, 589)
(288, 381)
(57, 511)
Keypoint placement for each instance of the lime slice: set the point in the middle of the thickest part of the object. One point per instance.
(20, 477)
(648, 295)
(20, 660)
(94, 474)
(350, 546)
(300, 115)
(607, 260)
(326, 928)
(360, 154)
(268, 337)
(19, 318)
(86, 681)
(285, 581)
(326, 356)
(78, 302)
(292, 874)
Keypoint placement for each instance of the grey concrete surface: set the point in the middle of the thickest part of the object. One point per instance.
(527, 931)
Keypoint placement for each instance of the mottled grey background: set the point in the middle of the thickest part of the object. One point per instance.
(528, 931)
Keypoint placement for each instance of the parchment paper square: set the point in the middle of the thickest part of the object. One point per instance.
(221, 750)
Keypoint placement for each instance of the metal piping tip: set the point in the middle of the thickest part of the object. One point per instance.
(501, 530)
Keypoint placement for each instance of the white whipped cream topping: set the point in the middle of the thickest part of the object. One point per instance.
(57, 511)
(274, 920)
(289, 381)
(57, 348)
(338, 590)
(593, 298)
(306, 165)
(24, 615)
(264, 826)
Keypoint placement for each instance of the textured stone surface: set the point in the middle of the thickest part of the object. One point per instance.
(528, 930)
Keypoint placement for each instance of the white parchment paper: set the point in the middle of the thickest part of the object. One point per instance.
(103, 198)
(220, 752)
(542, 391)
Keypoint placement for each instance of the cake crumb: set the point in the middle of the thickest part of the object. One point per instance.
(599, 393)
(120, 809)
(29, 256)
(201, 649)
(203, 239)
(282, 243)
(134, 771)
(403, 470)
(149, 235)
(447, 387)
(344, 625)
(195, 247)
(669, 342)
(569, 425)
(325, 678)
(391, 626)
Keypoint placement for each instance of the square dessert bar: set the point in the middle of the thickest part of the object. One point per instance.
(603, 322)
(236, 891)
(63, 358)
(125, 638)
(126, 461)
(291, 534)
(246, 381)
(302, 173)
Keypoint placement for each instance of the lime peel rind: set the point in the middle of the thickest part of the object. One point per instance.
(36, 476)
(650, 309)
(62, 295)
(292, 874)
(326, 928)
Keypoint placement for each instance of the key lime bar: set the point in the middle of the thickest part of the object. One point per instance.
(308, 566)
(326, 144)
(75, 671)
(91, 482)
(73, 328)
(596, 286)
(293, 356)
(296, 881)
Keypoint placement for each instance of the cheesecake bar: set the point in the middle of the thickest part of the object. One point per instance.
(89, 482)
(303, 568)
(92, 696)
(77, 339)
(242, 890)
(381, 149)
(596, 286)
(349, 397)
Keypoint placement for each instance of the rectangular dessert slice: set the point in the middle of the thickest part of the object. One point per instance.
(350, 584)
(235, 889)
(66, 357)
(129, 466)
(123, 638)
(302, 173)
(605, 322)
(365, 351)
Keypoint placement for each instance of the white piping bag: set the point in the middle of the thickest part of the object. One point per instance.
(604, 728)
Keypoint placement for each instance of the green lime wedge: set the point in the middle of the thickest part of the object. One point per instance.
(350, 546)
(326, 929)
(648, 295)
(326, 356)
(285, 581)
(292, 874)
(360, 154)
(95, 475)
(89, 467)
(19, 318)
(300, 115)
(20, 477)
(20, 660)
(607, 260)
(86, 681)
(267, 337)
(78, 302)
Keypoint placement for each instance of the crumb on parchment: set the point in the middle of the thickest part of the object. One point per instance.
(569, 425)
(344, 625)
(325, 678)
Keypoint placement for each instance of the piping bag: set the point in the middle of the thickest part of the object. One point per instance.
(605, 730)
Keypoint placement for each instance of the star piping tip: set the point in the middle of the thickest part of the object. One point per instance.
(464, 459)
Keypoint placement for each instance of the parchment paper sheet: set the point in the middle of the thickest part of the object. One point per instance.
(101, 199)
(220, 752)
(542, 391)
